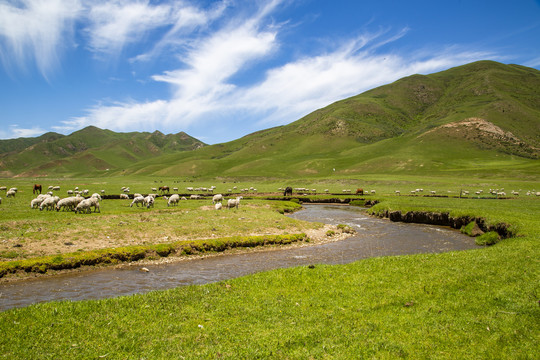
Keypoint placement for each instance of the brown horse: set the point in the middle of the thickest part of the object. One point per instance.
(37, 187)
(359, 191)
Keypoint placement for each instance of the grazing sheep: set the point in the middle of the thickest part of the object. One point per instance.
(35, 203)
(124, 196)
(97, 196)
(137, 200)
(56, 188)
(218, 198)
(84, 206)
(3, 188)
(149, 201)
(173, 200)
(11, 193)
(70, 202)
(195, 197)
(233, 202)
(218, 206)
(398, 192)
(49, 203)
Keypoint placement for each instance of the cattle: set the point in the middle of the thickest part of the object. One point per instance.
(288, 191)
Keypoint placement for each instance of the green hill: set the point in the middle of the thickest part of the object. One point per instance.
(481, 119)
(90, 150)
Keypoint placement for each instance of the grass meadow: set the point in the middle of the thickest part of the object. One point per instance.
(482, 303)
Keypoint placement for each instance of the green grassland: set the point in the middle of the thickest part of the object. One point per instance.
(482, 303)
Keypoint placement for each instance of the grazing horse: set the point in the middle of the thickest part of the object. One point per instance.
(37, 187)
(163, 189)
(288, 191)
(359, 191)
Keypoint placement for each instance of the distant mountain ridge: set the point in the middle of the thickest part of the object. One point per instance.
(479, 117)
(88, 150)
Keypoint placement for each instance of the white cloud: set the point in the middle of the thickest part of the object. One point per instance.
(113, 24)
(17, 132)
(37, 30)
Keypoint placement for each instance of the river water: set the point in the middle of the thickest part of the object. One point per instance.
(375, 237)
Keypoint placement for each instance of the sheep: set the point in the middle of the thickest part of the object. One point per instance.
(69, 202)
(34, 204)
(137, 200)
(173, 200)
(149, 201)
(195, 197)
(84, 206)
(49, 203)
(11, 193)
(96, 195)
(56, 188)
(124, 196)
(137, 195)
(233, 202)
(217, 198)
(398, 192)
(3, 188)
(218, 206)
(0, 200)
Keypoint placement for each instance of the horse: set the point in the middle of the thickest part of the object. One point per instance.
(288, 191)
(359, 191)
(163, 189)
(37, 187)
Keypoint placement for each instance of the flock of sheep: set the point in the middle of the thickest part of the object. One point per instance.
(81, 202)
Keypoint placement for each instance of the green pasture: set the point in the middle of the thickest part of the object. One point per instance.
(477, 304)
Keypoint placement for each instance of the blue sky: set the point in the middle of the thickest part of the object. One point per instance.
(219, 70)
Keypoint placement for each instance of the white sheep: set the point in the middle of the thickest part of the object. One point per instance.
(84, 206)
(69, 202)
(149, 201)
(233, 202)
(3, 188)
(137, 200)
(124, 196)
(218, 206)
(173, 200)
(218, 198)
(11, 193)
(97, 196)
(49, 203)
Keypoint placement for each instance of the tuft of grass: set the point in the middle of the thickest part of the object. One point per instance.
(489, 238)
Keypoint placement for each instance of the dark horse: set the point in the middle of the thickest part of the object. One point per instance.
(288, 191)
(164, 189)
(37, 187)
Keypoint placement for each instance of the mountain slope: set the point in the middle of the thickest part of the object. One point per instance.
(481, 118)
(88, 150)
(418, 123)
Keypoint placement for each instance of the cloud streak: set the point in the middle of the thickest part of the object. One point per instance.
(36, 30)
(211, 52)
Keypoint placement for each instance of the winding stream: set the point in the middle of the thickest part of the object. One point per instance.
(375, 237)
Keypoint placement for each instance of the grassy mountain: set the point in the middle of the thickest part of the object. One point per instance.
(481, 118)
(88, 150)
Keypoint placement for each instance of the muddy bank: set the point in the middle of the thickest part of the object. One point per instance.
(444, 219)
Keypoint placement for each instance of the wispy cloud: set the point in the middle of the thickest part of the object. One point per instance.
(36, 30)
(202, 90)
(115, 24)
(22, 132)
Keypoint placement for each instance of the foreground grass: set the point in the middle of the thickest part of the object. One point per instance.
(472, 304)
